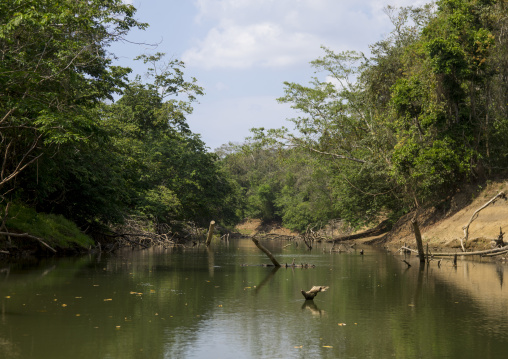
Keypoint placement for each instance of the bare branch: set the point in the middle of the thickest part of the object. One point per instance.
(475, 215)
(8, 114)
(338, 156)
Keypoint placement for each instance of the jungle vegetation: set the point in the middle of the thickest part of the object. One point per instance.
(379, 134)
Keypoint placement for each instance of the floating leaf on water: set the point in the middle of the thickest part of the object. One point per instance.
(78, 315)
(64, 305)
(327, 346)
(108, 300)
(220, 305)
(78, 297)
(152, 290)
(7, 296)
(299, 347)
(95, 285)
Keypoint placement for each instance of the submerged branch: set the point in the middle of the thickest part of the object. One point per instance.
(26, 235)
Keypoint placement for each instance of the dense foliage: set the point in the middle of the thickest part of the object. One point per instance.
(77, 138)
(427, 112)
(377, 136)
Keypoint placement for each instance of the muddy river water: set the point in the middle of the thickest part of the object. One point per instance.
(205, 303)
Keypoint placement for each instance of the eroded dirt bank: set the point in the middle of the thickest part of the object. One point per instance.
(441, 226)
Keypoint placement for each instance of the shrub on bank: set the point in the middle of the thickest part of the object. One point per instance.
(55, 230)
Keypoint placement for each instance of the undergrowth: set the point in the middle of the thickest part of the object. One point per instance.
(55, 230)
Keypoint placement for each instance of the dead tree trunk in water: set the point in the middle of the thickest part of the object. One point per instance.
(210, 233)
(266, 251)
(419, 242)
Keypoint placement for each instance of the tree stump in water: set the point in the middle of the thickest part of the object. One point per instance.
(311, 294)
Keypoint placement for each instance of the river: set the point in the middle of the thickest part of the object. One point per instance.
(206, 303)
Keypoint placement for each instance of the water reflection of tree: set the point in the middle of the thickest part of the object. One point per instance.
(266, 280)
(313, 308)
(500, 274)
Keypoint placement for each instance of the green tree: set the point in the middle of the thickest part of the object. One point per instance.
(54, 68)
(169, 173)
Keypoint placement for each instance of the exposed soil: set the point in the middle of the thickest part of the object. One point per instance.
(256, 226)
(441, 226)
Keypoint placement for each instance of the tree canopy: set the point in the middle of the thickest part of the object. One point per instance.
(377, 134)
(78, 138)
(407, 125)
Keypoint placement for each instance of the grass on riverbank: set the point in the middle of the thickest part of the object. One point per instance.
(55, 230)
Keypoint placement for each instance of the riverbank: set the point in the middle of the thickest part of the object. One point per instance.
(441, 226)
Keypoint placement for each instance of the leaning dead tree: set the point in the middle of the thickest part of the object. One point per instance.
(266, 251)
(475, 215)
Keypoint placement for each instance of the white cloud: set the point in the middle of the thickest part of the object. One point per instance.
(245, 34)
(262, 44)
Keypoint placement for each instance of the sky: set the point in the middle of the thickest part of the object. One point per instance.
(242, 51)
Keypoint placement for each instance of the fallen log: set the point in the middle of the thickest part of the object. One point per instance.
(495, 254)
(476, 253)
(407, 249)
(381, 228)
(26, 235)
(303, 265)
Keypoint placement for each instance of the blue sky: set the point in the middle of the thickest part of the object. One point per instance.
(241, 51)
